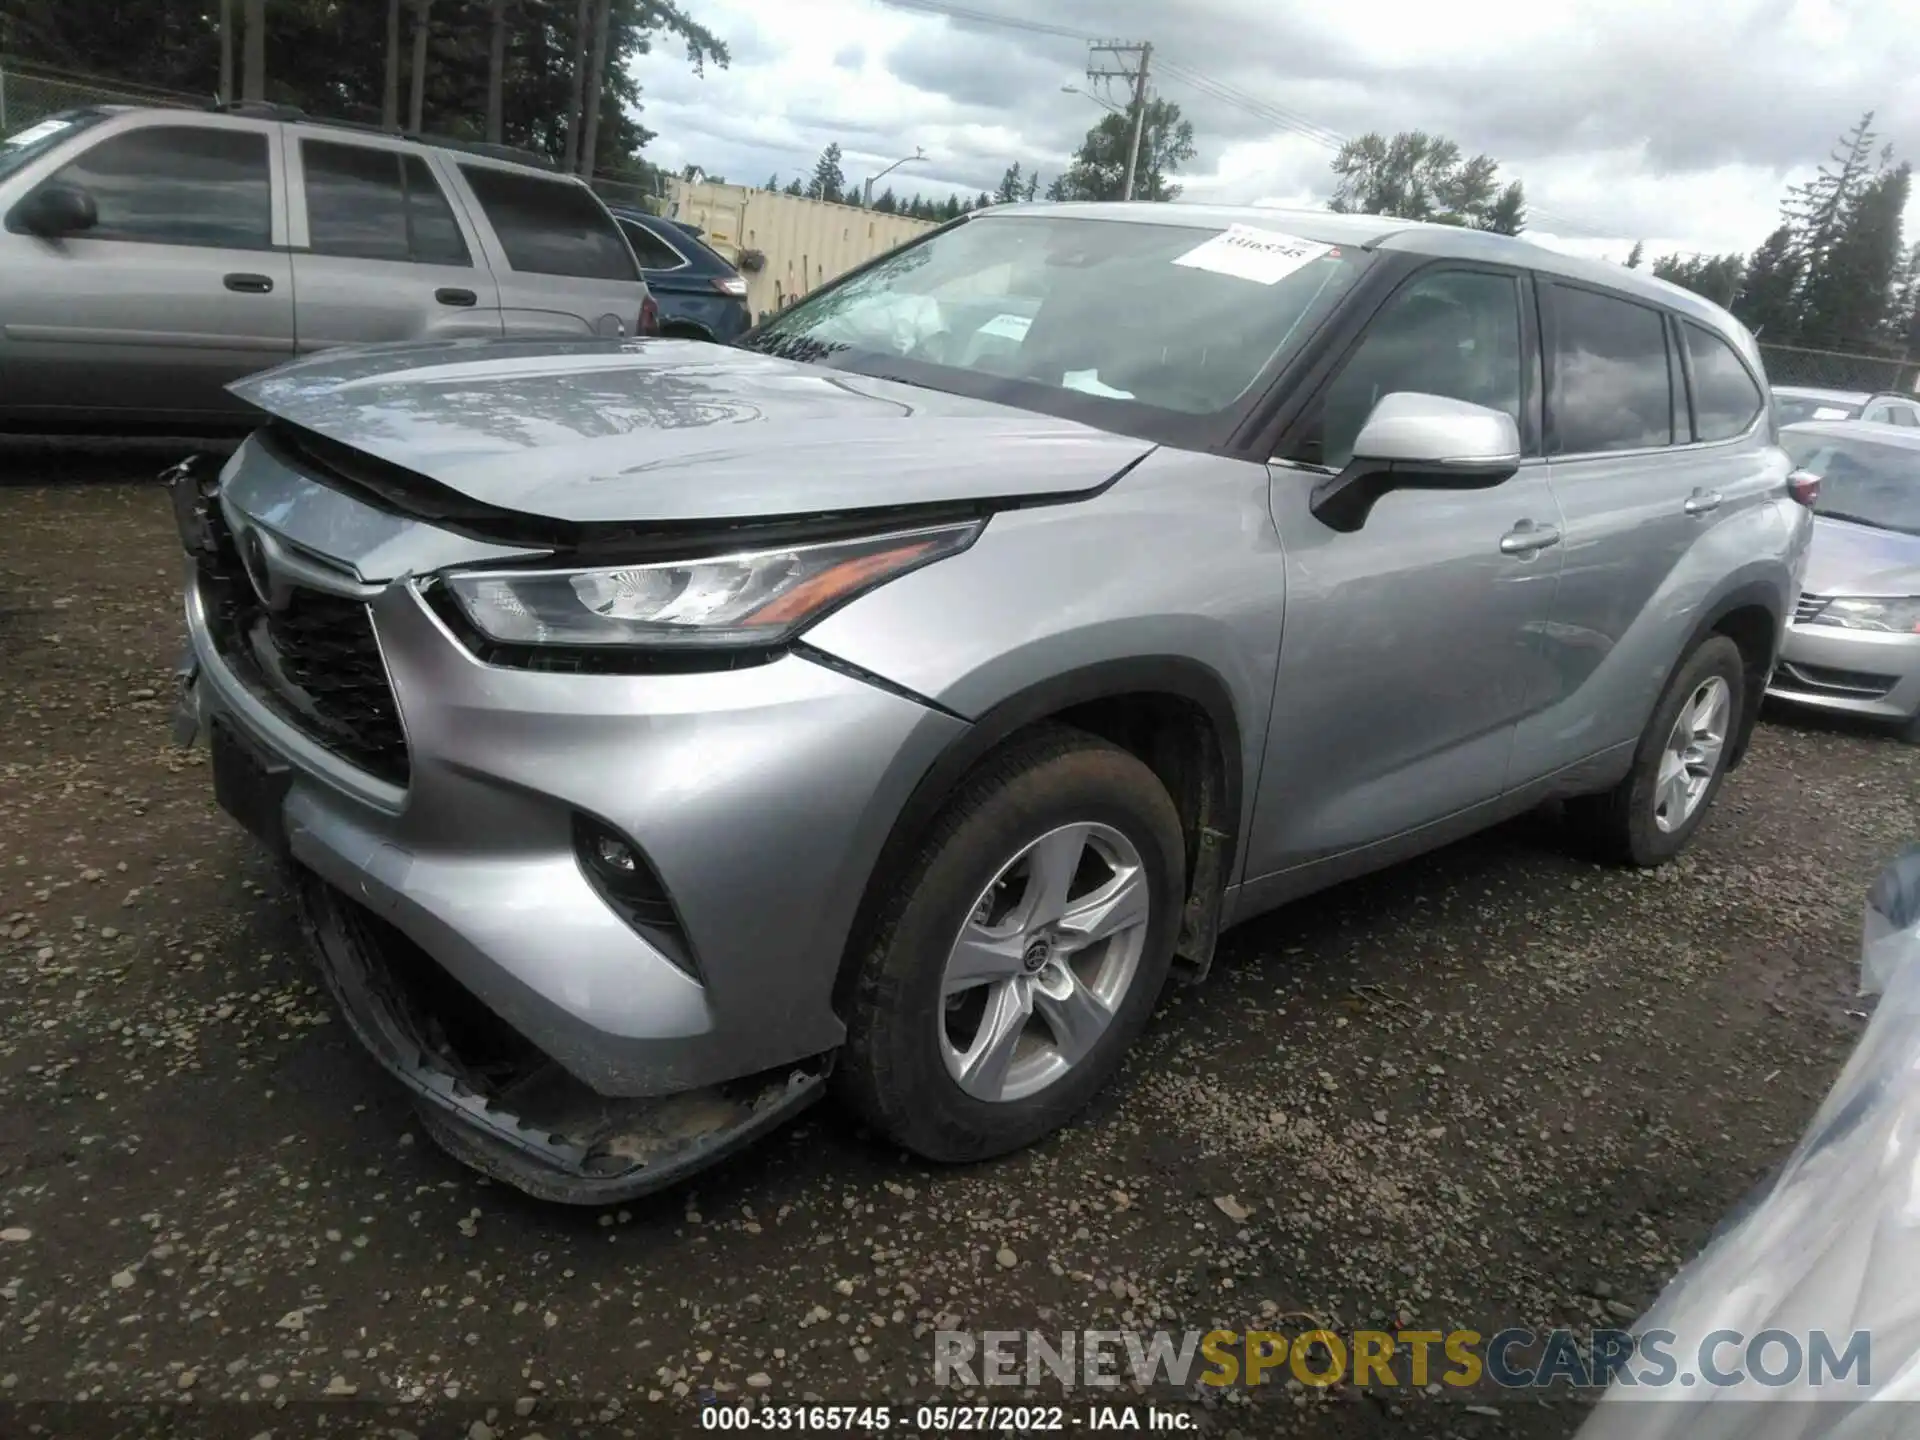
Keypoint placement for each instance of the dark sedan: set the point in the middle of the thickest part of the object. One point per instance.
(701, 296)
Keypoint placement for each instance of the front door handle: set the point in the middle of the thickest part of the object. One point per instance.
(249, 284)
(1702, 502)
(454, 296)
(1526, 537)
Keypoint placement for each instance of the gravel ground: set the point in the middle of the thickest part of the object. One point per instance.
(1499, 1086)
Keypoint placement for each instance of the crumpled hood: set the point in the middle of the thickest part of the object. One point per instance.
(639, 430)
(1848, 559)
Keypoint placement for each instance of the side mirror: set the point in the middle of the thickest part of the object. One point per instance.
(56, 210)
(1414, 441)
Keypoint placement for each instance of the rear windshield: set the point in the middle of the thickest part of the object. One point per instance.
(1163, 318)
(1864, 481)
(1792, 408)
(551, 227)
(29, 142)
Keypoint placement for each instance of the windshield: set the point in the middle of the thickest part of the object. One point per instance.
(35, 140)
(1036, 309)
(1864, 481)
(1812, 407)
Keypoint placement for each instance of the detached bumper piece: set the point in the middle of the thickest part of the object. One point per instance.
(493, 1101)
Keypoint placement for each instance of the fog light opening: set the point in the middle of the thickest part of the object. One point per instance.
(616, 869)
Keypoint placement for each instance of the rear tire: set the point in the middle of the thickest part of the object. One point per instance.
(976, 1024)
(1678, 766)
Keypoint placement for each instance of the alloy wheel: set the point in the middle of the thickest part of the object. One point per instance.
(1043, 962)
(1692, 755)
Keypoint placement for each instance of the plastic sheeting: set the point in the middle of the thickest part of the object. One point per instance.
(1830, 1243)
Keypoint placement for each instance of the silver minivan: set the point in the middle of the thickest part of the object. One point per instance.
(150, 257)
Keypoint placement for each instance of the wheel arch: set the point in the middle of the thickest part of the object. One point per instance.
(1174, 713)
(1752, 616)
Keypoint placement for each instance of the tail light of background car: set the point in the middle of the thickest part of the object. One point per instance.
(731, 285)
(1804, 486)
(649, 317)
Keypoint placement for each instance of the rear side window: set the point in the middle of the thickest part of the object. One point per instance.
(551, 227)
(1904, 415)
(654, 253)
(1726, 401)
(370, 204)
(1611, 387)
(179, 185)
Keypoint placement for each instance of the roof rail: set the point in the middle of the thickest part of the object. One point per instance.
(485, 148)
(267, 110)
(259, 109)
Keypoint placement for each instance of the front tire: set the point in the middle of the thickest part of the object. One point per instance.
(1678, 766)
(1022, 952)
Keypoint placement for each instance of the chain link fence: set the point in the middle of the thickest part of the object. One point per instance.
(1838, 370)
(30, 94)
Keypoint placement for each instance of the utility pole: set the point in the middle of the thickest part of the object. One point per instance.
(226, 52)
(1141, 53)
(253, 58)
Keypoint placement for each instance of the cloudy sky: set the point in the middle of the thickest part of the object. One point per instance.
(1676, 123)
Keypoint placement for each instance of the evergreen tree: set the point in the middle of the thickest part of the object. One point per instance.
(1012, 186)
(982, 201)
(1903, 326)
(1635, 255)
(330, 59)
(888, 203)
(773, 183)
(795, 187)
(1816, 212)
(1033, 185)
(1057, 188)
(829, 181)
(1715, 277)
(1769, 303)
(1849, 297)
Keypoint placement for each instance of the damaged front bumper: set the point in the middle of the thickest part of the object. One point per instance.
(554, 1034)
(494, 1102)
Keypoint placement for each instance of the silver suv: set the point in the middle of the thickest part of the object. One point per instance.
(654, 728)
(150, 257)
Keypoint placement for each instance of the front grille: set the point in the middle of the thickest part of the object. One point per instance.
(1825, 680)
(316, 663)
(1810, 606)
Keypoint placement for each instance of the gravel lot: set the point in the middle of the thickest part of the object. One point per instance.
(1500, 1086)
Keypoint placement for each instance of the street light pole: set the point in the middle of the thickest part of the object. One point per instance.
(866, 191)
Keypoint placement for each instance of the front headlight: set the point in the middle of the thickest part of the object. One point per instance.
(1900, 615)
(751, 599)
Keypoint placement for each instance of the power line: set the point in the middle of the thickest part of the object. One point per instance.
(1220, 90)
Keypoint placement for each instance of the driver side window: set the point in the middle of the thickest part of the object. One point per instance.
(1454, 333)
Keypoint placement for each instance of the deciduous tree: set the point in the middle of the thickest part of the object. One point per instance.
(1417, 176)
(1099, 167)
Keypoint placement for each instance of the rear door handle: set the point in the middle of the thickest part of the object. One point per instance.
(249, 284)
(1527, 537)
(1702, 502)
(453, 296)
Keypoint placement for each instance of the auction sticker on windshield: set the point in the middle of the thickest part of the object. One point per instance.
(1262, 256)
